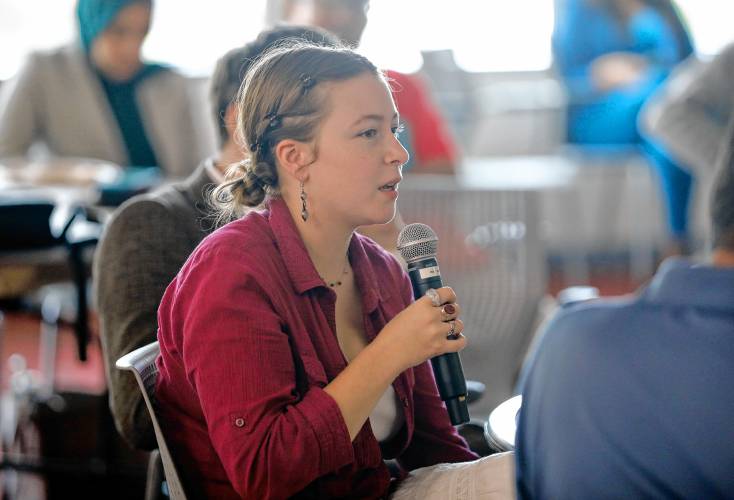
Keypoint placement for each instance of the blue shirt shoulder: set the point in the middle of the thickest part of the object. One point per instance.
(627, 399)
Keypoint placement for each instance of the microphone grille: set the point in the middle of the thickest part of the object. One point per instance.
(417, 241)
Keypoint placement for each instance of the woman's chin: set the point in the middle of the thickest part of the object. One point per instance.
(121, 73)
(385, 217)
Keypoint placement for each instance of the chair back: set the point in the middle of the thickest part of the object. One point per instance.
(142, 363)
(25, 224)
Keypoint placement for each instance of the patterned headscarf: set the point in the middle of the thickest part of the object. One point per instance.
(96, 15)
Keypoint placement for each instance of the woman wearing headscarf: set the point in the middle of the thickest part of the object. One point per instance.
(96, 98)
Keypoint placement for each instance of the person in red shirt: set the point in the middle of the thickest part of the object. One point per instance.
(432, 147)
(293, 357)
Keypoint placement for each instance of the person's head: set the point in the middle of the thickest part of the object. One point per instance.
(112, 33)
(231, 68)
(344, 18)
(318, 122)
(722, 207)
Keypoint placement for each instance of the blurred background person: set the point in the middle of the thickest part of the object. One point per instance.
(150, 237)
(97, 98)
(690, 112)
(426, 136)
(627, 398)
(611, 55)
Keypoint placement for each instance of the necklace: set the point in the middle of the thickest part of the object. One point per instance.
(337, 282)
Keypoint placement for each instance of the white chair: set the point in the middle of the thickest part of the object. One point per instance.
(142, 363)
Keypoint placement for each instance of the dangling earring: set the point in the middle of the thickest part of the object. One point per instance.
(304, 210)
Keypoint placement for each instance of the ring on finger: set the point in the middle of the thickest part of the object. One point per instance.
(434, 296)
(452, 330)
(447, 312)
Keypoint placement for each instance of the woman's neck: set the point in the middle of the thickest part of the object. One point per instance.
(228, 154)
(327, 243)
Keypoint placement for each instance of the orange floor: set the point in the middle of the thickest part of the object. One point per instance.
(21, 335)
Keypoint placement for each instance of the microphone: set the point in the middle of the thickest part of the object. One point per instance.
(418, 244)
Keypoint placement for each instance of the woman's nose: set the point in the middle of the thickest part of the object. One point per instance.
(397, 154)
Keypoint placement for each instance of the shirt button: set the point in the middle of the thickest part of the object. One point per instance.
(239, 422)
(405, 401)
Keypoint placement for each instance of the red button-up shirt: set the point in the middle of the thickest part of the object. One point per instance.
(247, 337)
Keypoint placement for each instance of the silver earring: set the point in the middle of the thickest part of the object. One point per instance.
(304, 210)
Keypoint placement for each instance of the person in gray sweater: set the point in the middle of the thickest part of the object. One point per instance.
(149, 238)
(689, 114)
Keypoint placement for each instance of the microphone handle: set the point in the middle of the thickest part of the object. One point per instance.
(447, 369)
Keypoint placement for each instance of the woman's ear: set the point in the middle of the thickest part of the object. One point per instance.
(294, 157)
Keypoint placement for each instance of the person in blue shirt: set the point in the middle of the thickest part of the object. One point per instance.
(632, 398)
(612, 55)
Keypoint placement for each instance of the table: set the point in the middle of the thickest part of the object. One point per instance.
(61, 180)
(66, 183)
(500, 427)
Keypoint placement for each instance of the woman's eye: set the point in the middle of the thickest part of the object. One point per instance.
(397, 130)
(369, 134)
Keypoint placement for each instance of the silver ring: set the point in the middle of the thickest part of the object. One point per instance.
(434, 296)
(452, 330)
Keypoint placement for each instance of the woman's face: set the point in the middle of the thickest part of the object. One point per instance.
(116, 51)
(358, 156)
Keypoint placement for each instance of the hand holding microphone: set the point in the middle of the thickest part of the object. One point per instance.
(418, 245)
(427, 328)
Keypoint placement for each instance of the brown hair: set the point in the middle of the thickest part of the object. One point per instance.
(231, 68)
(280, 99)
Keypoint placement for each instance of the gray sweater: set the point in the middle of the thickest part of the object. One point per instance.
(690, 113)
(143, 247)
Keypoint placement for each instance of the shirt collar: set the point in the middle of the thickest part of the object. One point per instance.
(300, 268)
(213, 172)
(684, 282)
(198, 185)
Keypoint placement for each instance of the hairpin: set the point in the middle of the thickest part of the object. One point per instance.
(275, 121)
(307, 82)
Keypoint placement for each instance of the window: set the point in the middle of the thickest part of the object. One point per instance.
(192, 35)
(704, 19)
(189, 34)
(485, 35)
(23, 28)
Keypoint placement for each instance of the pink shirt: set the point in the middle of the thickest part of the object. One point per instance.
(247, 341)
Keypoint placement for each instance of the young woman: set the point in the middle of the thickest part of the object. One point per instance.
(97, 98)
(293, 358)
